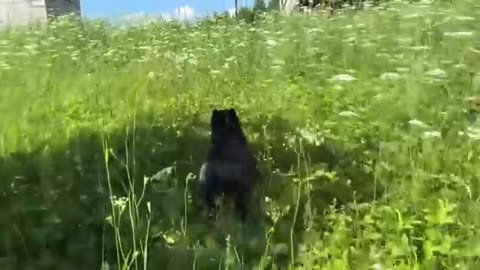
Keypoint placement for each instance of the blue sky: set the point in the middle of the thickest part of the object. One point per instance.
(116, 8)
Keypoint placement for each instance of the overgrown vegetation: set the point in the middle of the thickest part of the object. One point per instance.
(368, 156)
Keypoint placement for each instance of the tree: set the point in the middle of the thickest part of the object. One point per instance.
(260, 6)
(236, 8)
(274, 5)
(246, 14)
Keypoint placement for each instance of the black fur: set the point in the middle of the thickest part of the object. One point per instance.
(230, 168)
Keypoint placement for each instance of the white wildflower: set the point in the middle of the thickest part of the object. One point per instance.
(471, 98)
(343, 78)
(458, 34)
(417, 123)
(348, 114)
(474, 50)
(315, 30)
(436, 73)
(31, 47)
(432, 134)
(278, 64)
(426, 2)
(389, 76)
(192, 61)
(4, 66)
(411, 16)
(242, 44)
(351, 39)
(464, 18)
(231, 59)
(271, 43)
(419, 48)
(119, 203)
(473, 133)
(215, 72)
(404, 40)
(276, 68)
(460, 66)
(311, 137)
(338, 87)
(151, 75)
(402, 69)
(368, 44)
(382, 54)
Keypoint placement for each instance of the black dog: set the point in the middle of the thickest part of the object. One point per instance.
(230, 168)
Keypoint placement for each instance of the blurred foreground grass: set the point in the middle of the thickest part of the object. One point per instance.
(359, 124)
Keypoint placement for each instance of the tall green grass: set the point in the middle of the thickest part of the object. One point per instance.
(358, 121)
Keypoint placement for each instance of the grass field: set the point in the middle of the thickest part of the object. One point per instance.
(359, 123)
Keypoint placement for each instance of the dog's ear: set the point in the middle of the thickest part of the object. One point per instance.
(220, 118)
(232, 115)
(216, 114)
(214, 118)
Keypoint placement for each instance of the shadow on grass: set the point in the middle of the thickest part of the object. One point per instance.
(55, 200)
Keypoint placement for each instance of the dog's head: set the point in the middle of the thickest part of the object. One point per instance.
(225, 124)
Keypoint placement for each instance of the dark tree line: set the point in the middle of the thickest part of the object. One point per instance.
(276, 4)
(261, 6)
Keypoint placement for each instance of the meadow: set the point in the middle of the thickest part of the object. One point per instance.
(362, 123)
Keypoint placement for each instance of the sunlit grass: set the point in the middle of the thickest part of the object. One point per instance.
(360, 123)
